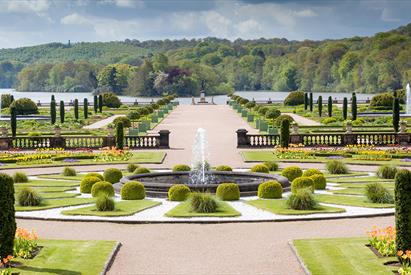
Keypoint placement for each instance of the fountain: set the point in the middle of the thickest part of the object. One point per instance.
(199, 164)
(408, 101)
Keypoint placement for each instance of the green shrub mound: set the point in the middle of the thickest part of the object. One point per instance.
(294, 98)
(24, 106)
(387, 171)
(94, 174)
(28, 197)
(228, 191)
(181, 168)
(336, 167)
(224, 168)
(131, 167)
(87, 183)
(384, 100)
(320, 182)
(260, 168)
(20, 177)
(272, 165)
(125, 120)
(112, 175)
(280, 119)
(302, 183)
(105, 203)
(102, 188)
(328, 120)
(141, 170)
(312, 171)
(303, 199)
(292, 172)
(178, 192)
(69, 172)
(376, 193)
(111, 100)
(7, 216)
(403, 209)
(272, 113)
(270, 190)
(133, 190)
(203, 203)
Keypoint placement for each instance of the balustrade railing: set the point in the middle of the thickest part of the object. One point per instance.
(92, 142)
(322, 139)
(142, 142)
(263, 140)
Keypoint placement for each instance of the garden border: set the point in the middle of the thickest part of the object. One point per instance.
(111, 258)
(299, 259)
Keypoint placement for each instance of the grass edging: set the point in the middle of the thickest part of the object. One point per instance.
(111, 258)
(299, 259)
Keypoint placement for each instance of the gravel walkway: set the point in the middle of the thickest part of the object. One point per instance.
(102, 123)
(303, 120)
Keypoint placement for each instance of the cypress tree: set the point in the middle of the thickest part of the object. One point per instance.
(396, 114)
(100, 103)
(11, 99)
(354, 107)
(285, 133)
(7, 216)
(330, 106)
(305, 101)
(320, 106)
(95, 104)
(76, 109)
(120, 135)
(53, 98)
(345, 108)
(403, 209)
(311, 102)
(53, 111)
(62, 111)
(13, 120)
(85, 107)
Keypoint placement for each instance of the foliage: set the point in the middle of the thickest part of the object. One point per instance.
(203, 203)
(302, 183)
(123, 119)
(178, 192)
(111, 100)
(87, 183)
(280, 119)
(387, 171)
(62, 112)
(102, 187)
(105, 203)
(396, 114)
(13, 120)
(320, 182)
(354, 107)
(53, 113)
(69, 172)
(345, 108)
(285, 133)
(272, 165)
(330, 106)
(6, 100)
(85, 108)
(328, 120)
(76, 113)
(94, 174)
(131, 167)
(28, 197)
(260, 168)
(292, 172)
(272, 113)
(302, 199)
(112, 175)
(224, 168)
(383, 240)
(228, 191)
(402, 209)
(141, 170)
(294, 98)
(377, 193)
(181, 168)
(320, 106)
(20, 177)
(312, 171)
(133, 190)
(382, 100)
(25, 243)
(119, 135)
(24, 106)
(7, 215)
(336, 167)
(270, 190)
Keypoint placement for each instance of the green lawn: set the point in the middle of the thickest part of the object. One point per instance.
(56, 195)
(123, 208)
(361, 180)
(355, 191)
(280, 207)
(56, 203)
(349, 175)
(350, 200)
(48, 183)
(61, 177)
(49, 189)
(67, 258)
(183, 211)
(388, 185)
(341, 256)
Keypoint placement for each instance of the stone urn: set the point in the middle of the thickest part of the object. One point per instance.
(403, 127)
(295, 128)
(348, 127)
(110, 131)
(3, 131)
(57, 131)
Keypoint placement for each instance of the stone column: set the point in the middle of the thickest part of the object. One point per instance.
(164, 139)
(242, 140)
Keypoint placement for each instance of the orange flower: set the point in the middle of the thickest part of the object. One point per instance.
(400, 253)
(408, 253)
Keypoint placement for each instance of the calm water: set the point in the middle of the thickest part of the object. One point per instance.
(221, 99)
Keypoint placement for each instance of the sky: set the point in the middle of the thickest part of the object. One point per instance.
(32, 22)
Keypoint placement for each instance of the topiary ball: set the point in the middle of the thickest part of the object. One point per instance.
(272, 165)
(387, 172)
(105, 203)
(292, 172)
(133, 190)
(69, 172)
(94, 174)
(112, 175)
(178, 192)
(224, 168)
(320, 182)
(181, 168)
(312, 171)
(102, 188)
(260, 168)
(131, 167)
(270, 190)
(141, 170)
(87, 183)
(228, 191)
(336, 167)
(20, 177)
(28, 197)
(301, 183)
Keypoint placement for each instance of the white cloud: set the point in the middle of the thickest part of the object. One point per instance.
(306, 13)
(129, 3)
(218, 24)
(25, 6)
(249, 27)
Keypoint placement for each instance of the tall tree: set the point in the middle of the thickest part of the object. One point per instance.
(95, 104)
(85, 108)
(311, 102)
(7, 216)
(354, 107)
(53, 112)
(345, 108)
(320, 106)
(62, 111)
(396, 114)
(100, 103)
(13, 120)
(76, 114)
(330, 106)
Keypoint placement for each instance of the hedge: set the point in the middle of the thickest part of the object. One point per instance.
(270, 190)
(102, 188)
(133, 190)
(302, 182)
(178, 192)
(292, 172)
(403, 209)
(7, 216)
(228, 191)
(112, 175)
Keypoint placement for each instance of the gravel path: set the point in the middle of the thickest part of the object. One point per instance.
(303, 120)
(102, 123)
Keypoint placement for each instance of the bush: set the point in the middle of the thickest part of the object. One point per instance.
(302, 183)
(125, 120)
(228, 191)
(270, 190)
(272, 165)
(111, 100)
(260, 168)
(303, 199)
(250, 104)
(87, 183)
(7, 216)
(94, 174)
(28, 197)
(382, 100)
(320, 182)
(387, 171)
(272, 113)
(105, 203)
(102, 188)
(112, 175)
(292, 172)
(263, 110)
(24, 106)
(20, 177)
(294, 98)
(6, 100)
(178, 192)
(312, 171)
(120, 135)
(285, 133)
(203, 203)
(403, 209)
(69, 172)
(280, 119)
(336, 167)
(133, 190)
(376, 193)
(131, 167)
(224, 168)
(141, 170)
(328, 120)
(134, 115)
(181, 168)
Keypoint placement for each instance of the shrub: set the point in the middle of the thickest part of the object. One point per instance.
(62, 111)
(134, 115)
(396, 114)
(272, 165)
(119, 135)
(178, 192)
(133, 190)
(403, 209)
(270, 190)
(141, 170)
(260, 168)
(69, 172)
(85, 108)
(294, 98)
(131, 167)
(302, 183)
(112, 175)
(125, 120)
(292, 172)
(336, 167)
(328, 120)
(28, 197)
(285, 133)
(20, 177)
(102, 187)
(250, 104)
(228, 191)
(354, 107)
(387, 171)
(224, 168)
(272, 113)
(263, 110)
(6, 100)
(87, 183)
(312, 171)
(105, 203)
(376, 193)
(13, 121)
(280, 119)
(94, 174)
(243, 101)
(7, 216)
(320, 182)
(24, 106)
(111, 100)
(382, 100)
(203, 203)
(345, 108)
(181, 168)
(303, 199)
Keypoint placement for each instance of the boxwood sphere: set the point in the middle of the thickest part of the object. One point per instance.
(260, 168)
(133, 190)
(141, 170)
(181, 168)
(131, 167)
(112, 175)
(224, 168)
(272, 165)
(301, 183)
(228, 191)
(320, 182)
(312, 171)
(94, 174)
(178, 192)
(102, 188)
(292, 172)
(69, 172)
(270, 190)
(87, 183)
(105, 203)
